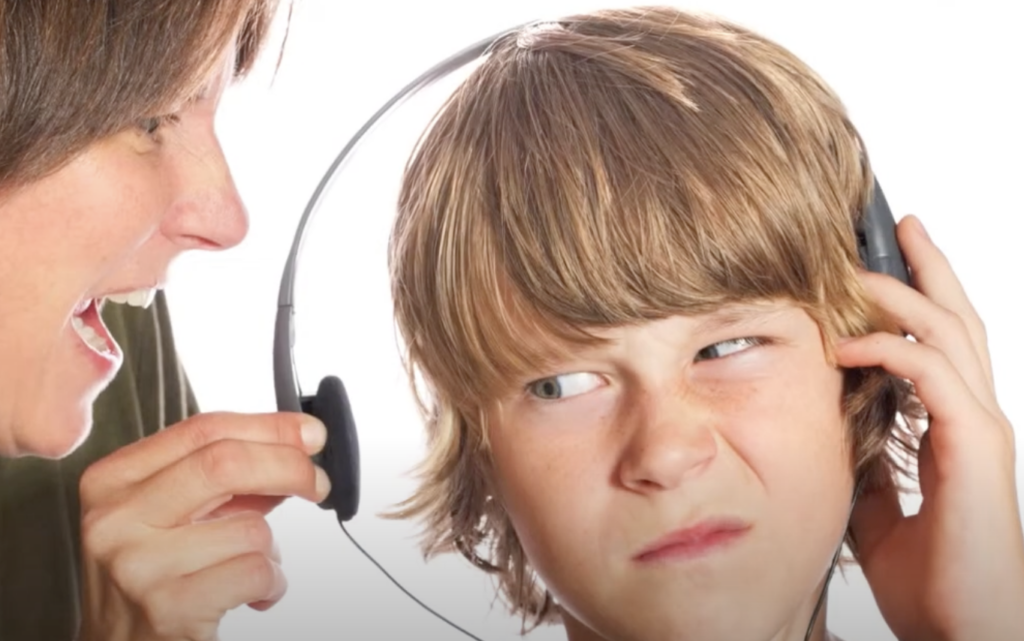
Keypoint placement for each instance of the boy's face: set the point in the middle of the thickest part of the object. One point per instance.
(723, 432)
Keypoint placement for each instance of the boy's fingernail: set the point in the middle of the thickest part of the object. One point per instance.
(323, 484)
(313, 432)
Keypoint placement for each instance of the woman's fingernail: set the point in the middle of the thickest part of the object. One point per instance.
(323, 484)
(314, 434)
(921, 230)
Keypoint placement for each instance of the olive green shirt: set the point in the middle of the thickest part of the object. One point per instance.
(39, 507)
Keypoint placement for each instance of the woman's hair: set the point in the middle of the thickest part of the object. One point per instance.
(607, 169)
(75, 71)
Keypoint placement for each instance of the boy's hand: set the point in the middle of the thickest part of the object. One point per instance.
(954, 571)
(173, 528)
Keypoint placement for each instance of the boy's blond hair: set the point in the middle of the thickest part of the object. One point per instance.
(606, 169)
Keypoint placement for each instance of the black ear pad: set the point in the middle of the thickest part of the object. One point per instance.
(876, 239)
(340, 456)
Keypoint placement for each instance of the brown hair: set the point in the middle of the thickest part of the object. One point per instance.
(611, 168)
(74, 72)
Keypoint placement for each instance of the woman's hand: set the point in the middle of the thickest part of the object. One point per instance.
(955, 570)
(173, 527)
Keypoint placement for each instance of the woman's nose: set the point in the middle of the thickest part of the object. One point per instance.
(208, 212)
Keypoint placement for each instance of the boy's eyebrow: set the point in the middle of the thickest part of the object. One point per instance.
(735, 315)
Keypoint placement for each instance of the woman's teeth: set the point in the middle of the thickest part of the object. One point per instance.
(89, 335)
(138, 298)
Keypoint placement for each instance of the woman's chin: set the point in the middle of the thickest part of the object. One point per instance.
(55, 417)
(56, 429)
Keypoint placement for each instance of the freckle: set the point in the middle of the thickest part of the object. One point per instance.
(722, 394)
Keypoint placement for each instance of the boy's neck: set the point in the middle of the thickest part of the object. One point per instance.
(576, 631)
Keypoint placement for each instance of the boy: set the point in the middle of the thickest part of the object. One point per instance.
(624, 266)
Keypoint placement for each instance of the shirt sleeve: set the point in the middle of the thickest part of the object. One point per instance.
(39, 507)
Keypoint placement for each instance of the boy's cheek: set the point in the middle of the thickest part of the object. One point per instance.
(542, 485)
(553, 496)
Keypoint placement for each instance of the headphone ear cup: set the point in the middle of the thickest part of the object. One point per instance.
(340, 455)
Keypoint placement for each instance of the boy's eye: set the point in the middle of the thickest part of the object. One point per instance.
(564, 386)
(726, 348)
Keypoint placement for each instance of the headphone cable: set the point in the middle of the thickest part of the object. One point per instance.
(807, 635)
(407, 593)
(832, 568)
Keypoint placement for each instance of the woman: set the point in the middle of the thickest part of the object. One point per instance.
(109, 169)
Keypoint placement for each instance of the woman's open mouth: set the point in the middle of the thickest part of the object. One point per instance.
(88, 324)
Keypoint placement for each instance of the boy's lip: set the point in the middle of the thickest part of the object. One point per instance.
(694, 540)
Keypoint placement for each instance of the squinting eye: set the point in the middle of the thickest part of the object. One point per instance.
(725, 348)
(149, 126)
(564, 386)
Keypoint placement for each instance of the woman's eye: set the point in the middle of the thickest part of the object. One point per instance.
(151, 125)
(726, 348)
(564, 386)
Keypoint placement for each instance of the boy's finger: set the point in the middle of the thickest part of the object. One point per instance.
(931, 324)
(934, 277)
(937, 383)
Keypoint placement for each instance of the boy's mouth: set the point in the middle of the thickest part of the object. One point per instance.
(695, 541)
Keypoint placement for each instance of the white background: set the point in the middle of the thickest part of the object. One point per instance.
(933, 87)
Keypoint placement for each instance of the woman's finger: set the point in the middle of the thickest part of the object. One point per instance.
(140, 460)
(247, 503)
(168, 555)
(192, 606)
(210, 477)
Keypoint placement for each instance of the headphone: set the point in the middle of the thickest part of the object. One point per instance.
(876, 242)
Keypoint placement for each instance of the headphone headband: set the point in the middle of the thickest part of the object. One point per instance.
(876, 240)
(286, 385)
